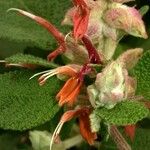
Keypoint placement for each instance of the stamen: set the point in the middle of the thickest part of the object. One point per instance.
(38, 74)
(67, 36)
(56, 132)
(2, 61)
(17, 65)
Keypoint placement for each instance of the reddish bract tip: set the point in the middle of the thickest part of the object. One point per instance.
(84, 122)
(85, 129)
(130, 131)
(80, 19)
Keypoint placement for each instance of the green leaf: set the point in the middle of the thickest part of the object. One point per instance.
(142, 138)
(23, 103)
(29, 59)
(142, 74)
(127, 112)
(21, 29)
(143, 10)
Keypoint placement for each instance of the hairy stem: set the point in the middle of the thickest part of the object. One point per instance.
(119, 139)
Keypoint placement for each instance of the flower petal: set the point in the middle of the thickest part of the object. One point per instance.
(80, 19)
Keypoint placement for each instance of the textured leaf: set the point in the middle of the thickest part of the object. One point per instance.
(23, 103)
(127, 112)
(29, 59)
(142, 74)
(21, 29)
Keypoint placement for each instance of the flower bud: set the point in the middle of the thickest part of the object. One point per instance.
(126, 18)
(130, 57)
(109, 87)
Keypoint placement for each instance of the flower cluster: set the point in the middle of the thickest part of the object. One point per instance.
(98, 26)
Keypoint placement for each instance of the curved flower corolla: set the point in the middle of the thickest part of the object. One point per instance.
(71, 89)
(51, 29)
(84, 124)
(70, 70)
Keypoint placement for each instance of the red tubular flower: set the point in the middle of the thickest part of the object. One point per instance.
(93, 55)
(80, 18)
(130, 131)
(51, 29)
(84, 124)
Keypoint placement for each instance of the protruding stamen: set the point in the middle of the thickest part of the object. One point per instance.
(38, 74)
(66, 70)
(55, 134)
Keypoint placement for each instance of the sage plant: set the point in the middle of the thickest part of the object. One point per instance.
(96, 85)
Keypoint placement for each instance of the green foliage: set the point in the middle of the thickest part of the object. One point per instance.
(127, 112)
(142, 74)
(142, 138)
(21, 29)
(143, 10)
(23, 103)
(29, 59)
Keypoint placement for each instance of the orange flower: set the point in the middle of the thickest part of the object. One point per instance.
(69, 91)
(70, 70)
(84, 124)
(72, 87)
(80, 18)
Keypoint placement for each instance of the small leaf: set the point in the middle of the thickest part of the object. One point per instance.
(143, 10)
(142, 74)
(29, 59)
(23, 103)
(124, 113)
